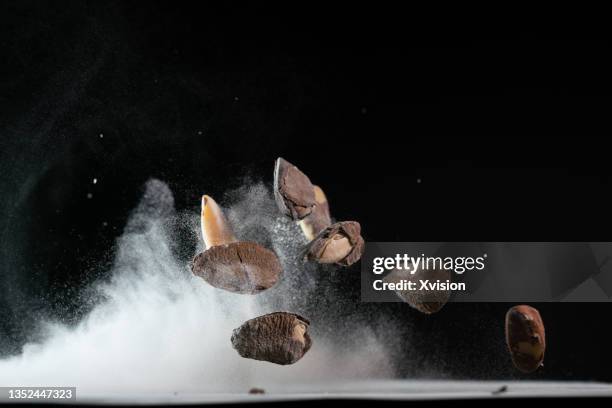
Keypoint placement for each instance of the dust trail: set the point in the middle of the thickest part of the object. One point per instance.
(158, 328)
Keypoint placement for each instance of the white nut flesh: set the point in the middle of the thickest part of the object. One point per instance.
(336, 249)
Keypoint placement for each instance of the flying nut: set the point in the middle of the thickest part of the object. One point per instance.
(525, 337)
(280, 338)
(226, 263)
(293, 191)
(340, 243)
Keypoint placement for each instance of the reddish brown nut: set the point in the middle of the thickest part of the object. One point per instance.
(525, 337)
(319, 218)
(340, 243)
(280, 338)
(241, 267)
(425, 301)
(293, 191)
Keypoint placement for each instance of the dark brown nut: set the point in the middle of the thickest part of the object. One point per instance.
(241, 267)
(319, 218)
(525, 337)
(425, 301)
(293, 190)
(280, 338)
(340, 243)
(236, 266)
(256, 390)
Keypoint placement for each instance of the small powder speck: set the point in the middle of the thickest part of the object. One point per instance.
(89, 196)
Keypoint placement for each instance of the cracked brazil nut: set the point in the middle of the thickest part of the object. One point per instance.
(340, 243)
(293, 191)
(280, 338)
(423, 300)
(226, 263)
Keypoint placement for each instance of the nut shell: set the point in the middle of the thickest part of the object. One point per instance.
(525, 337)
(280, 338)
(425, 301)
(240, 267)
(350, 230)
(319, 218)
(293, 191)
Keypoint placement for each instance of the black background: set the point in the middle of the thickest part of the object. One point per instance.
(418, 128)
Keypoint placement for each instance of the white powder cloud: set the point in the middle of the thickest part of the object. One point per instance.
(158, 328)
